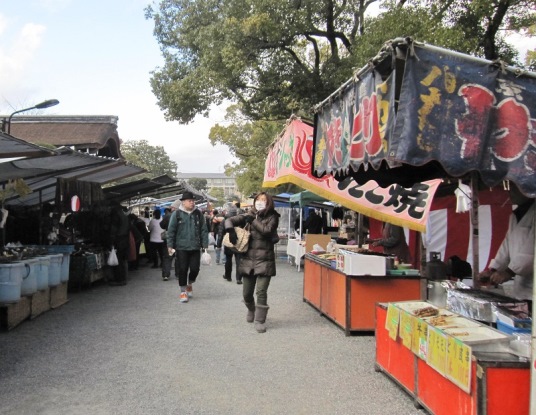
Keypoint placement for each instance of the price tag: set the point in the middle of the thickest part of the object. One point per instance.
(419, 338)
(459, 363)
(406, 328)
(437, 350)
(391, 323)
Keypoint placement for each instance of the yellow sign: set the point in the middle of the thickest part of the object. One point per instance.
(391, 323)
(419, 338)
(437, 350)
(406, 328)
(459, 363)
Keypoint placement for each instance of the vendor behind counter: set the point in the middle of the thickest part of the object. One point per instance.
(515, 258)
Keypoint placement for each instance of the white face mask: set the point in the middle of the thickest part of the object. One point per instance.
(260, 205)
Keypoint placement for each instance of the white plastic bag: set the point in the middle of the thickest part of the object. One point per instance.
(211, 240)
(112, 258)
(206, 259)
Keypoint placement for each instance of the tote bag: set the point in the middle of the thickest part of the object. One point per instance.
(242, 242)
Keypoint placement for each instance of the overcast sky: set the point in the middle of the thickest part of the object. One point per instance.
(95, 57)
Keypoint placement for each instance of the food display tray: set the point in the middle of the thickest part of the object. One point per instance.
(478, 335)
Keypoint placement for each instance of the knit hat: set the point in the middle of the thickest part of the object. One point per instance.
(176, 204)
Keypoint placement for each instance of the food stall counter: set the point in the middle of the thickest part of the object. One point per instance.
(470, 371)
(349, 300)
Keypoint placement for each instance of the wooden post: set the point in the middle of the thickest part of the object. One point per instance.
(360, 239)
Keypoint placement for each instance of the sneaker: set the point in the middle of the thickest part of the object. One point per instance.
(189, 290)
(239, 282)
(183, 298)
(165, 278)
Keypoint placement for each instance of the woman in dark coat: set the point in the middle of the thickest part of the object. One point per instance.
(257, 264)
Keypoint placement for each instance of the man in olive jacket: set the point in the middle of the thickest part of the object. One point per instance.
(187, 234)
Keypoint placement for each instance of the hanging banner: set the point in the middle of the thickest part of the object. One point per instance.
(289, 161)
(453, 111)
(355, 128)
(469, 116)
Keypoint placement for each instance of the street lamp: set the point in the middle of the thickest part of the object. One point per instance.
(45, 104)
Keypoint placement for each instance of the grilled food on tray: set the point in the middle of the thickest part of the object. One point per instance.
(426, 312)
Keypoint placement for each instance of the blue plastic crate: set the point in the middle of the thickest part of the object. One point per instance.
(508, 329)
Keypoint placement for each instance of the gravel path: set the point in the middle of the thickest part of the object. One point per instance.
(137, 350)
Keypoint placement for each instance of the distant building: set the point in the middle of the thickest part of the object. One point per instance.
(94, 134)
(214, 180)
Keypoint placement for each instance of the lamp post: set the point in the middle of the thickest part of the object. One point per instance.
(45, 104)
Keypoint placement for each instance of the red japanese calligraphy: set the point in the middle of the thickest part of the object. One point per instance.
(366, 137)
(271, 169)
(302, 159)
(334, 135)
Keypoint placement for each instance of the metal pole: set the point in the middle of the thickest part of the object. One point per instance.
(533, 336)
(474, 222)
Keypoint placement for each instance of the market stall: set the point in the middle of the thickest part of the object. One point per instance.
(51, 201)
(419, 113)
(346, 286)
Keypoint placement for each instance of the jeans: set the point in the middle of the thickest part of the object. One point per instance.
(218, 254)
(262, 282)
(187, 264)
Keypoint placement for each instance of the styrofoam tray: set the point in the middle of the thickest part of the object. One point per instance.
(477, 335)
(452, 321)
(411, 306)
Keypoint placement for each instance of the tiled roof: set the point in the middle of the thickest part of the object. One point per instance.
(83, 132)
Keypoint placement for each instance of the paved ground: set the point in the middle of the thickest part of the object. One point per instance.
(137, 350)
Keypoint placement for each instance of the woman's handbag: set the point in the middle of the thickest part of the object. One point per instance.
(112, 258)
(242, 242)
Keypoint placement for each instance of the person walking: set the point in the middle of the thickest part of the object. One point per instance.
(231, 211)
(187, 234)
(146, 218)
(140, 231)
(257, 264)
(119, 239)
(156, 237)
(216, 226)
(167, 259)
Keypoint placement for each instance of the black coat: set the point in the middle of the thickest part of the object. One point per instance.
(259, 259)
(221, 234)
(313, 224)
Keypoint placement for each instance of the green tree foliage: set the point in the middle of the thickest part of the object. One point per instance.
(274, 58)
(197, 183)
(249, 142)
(217, 192)
(152, 158)
(485, 23)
